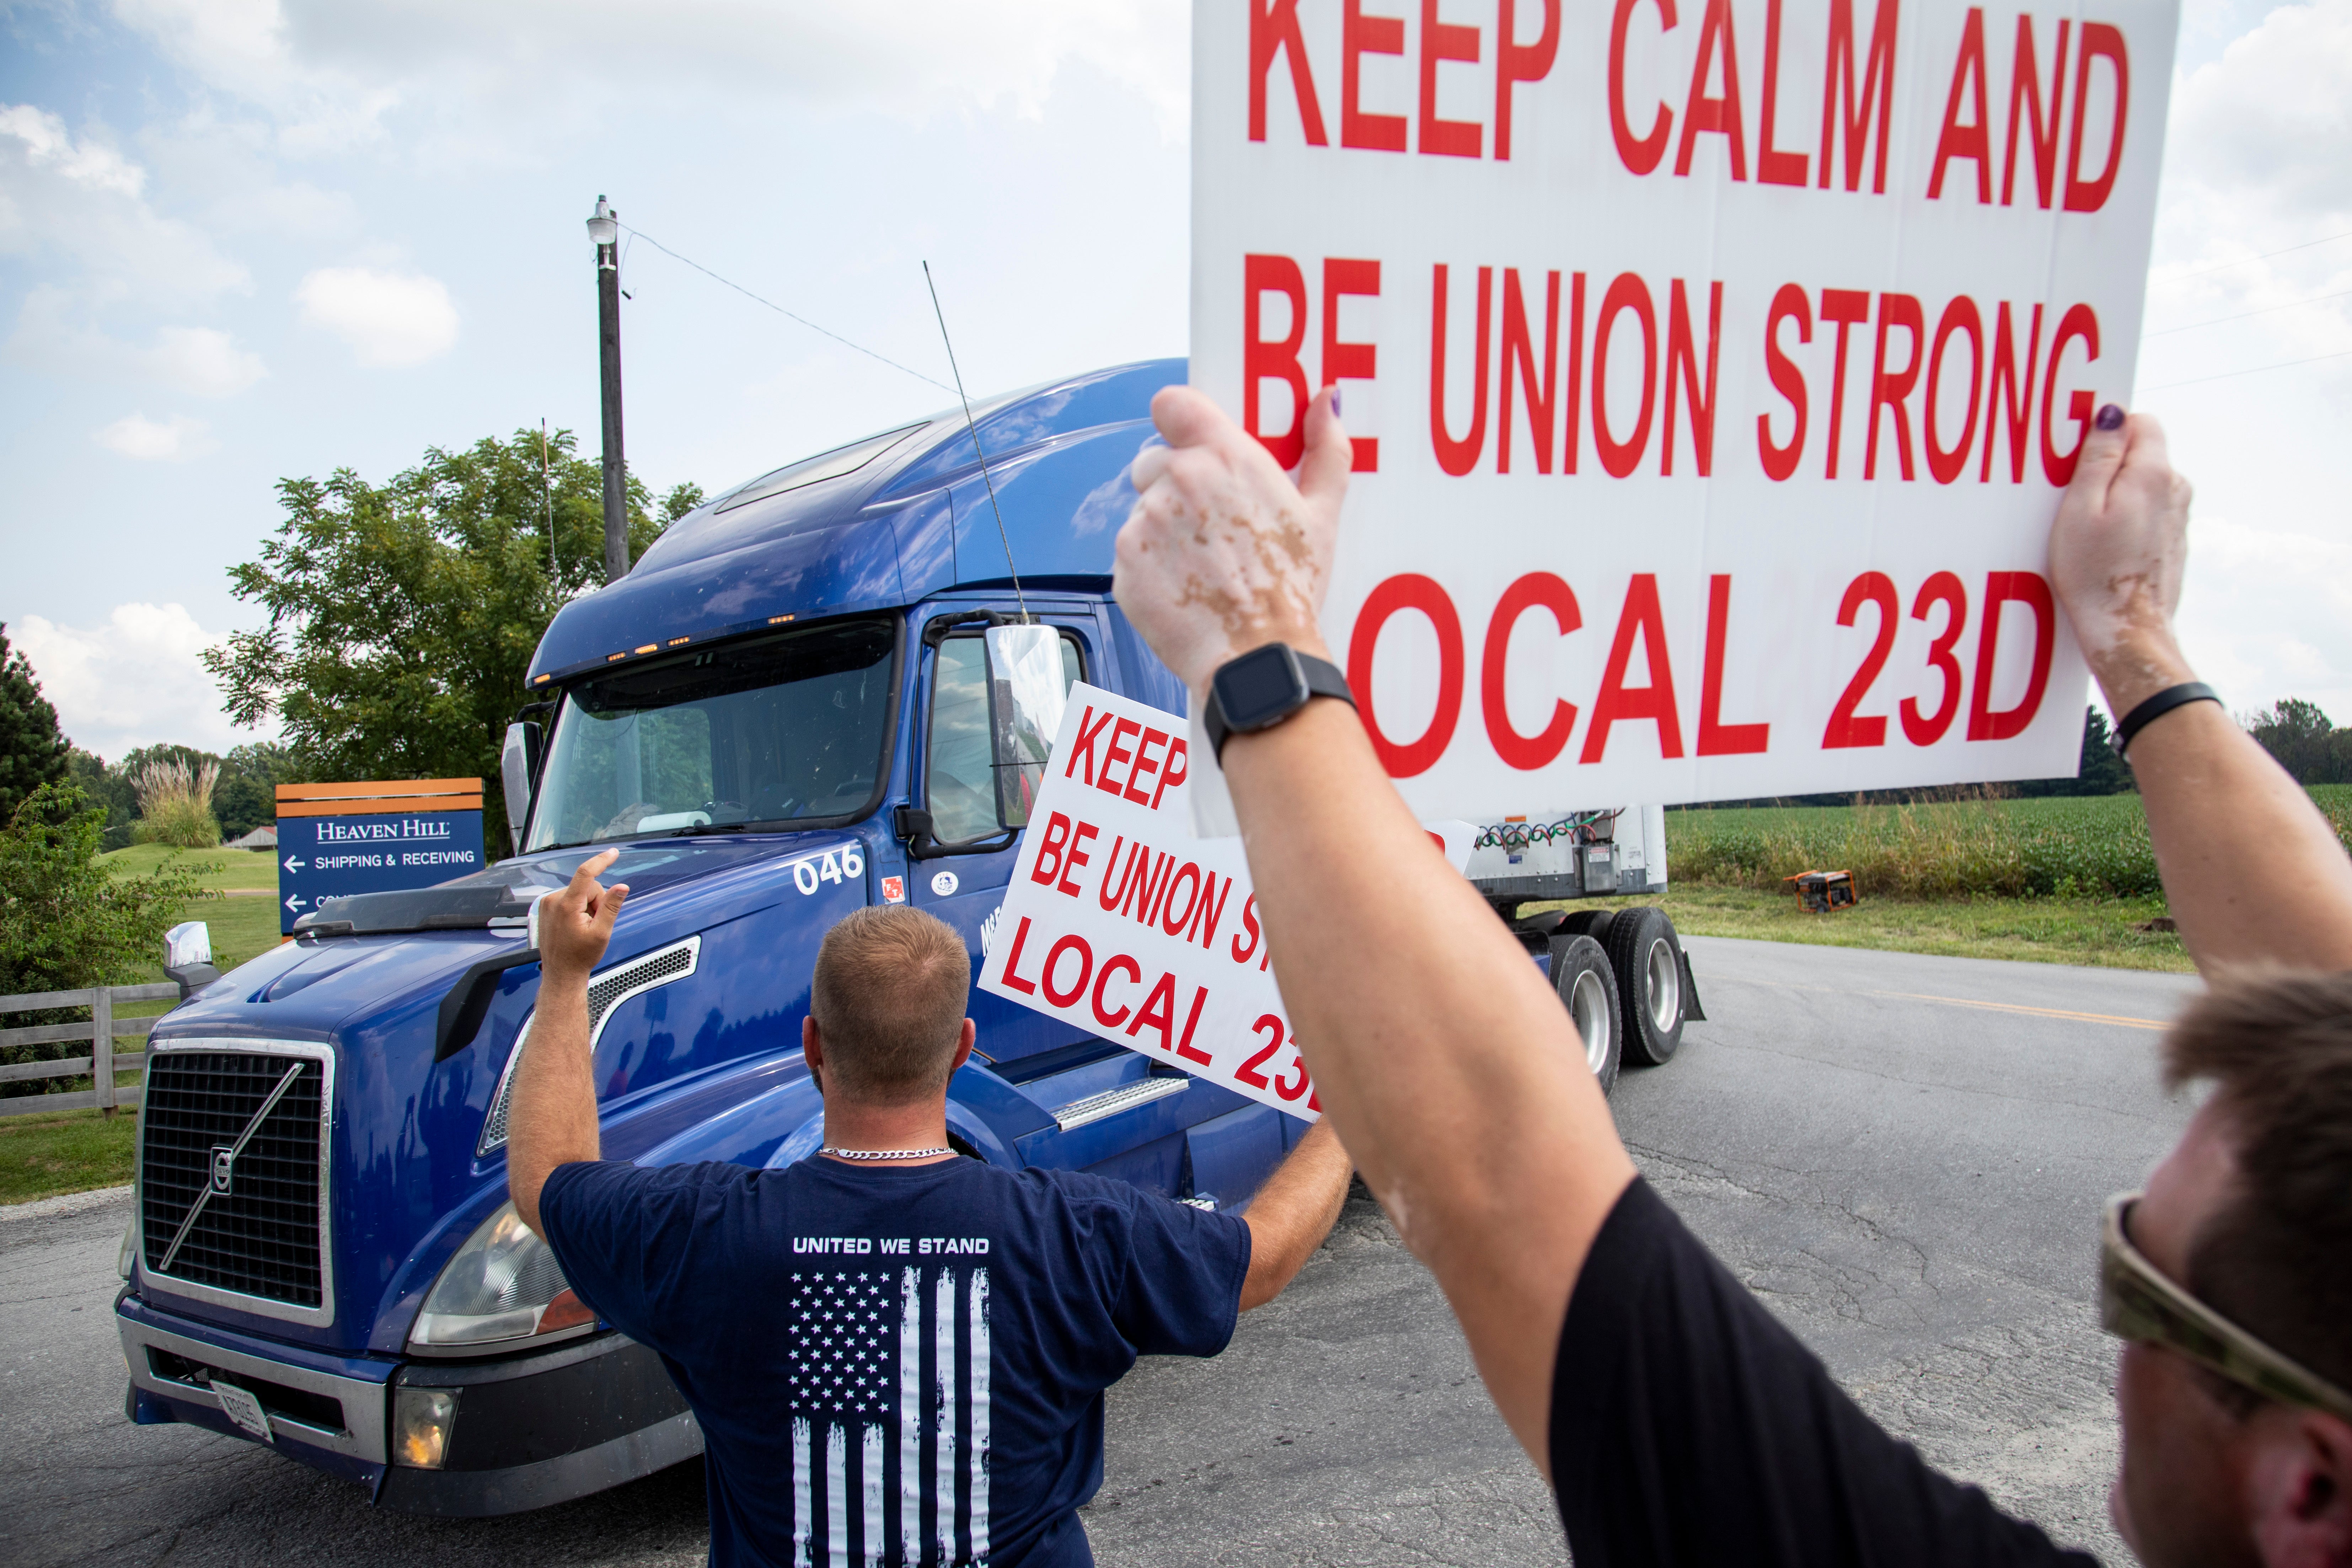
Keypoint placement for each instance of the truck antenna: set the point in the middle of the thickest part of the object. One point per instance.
(986, 477)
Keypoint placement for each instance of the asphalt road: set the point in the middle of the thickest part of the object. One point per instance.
(1904, 1156)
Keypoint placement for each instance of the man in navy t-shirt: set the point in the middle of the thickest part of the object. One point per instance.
(896, 1355)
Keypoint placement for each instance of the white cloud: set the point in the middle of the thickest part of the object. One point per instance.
(389, 319)
(48, 146)
(79, 200)
(203, 361)
(2267, 614)
(135, 680)
(149, 440)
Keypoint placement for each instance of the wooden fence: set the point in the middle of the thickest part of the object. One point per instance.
(102, 1030)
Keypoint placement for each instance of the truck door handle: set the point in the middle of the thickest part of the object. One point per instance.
(469, 1001)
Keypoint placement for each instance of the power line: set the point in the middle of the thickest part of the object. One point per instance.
(2266, 255)
(2257, 370)
(779, 310)
(974, 428)
(2266, 310)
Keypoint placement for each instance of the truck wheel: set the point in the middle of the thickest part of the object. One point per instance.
(1648, 958)
(1588, 989)
(1593, 923)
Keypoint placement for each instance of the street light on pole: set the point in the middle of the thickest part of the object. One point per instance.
(604, 231)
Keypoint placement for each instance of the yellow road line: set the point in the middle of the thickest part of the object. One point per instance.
(2037, 1012)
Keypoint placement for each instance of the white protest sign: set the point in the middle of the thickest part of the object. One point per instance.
(1121, 922)
(1713, 367)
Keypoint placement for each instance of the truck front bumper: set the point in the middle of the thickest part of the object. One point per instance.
(529, 1430)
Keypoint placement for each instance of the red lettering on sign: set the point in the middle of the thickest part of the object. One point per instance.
(1519, 355)
(1291, 1089)
(1618, 700)
(1408, 591)
(2027, 588)
(1109, 896)
(1173, 920)
(1535, 590)
(1682, 355)
(1174, 771)
(1262, 361)
(2099, 40)
(1192, 1021)
(1845, 307)
(1944, 588)
(1110, 967)
(1274, 25)
(1780, 462)
(1360, 35)
(1115, 754)
(1958, 141)
(1845, 727)
(2011, 394)
(1249, 925)
(1270, 1025)
(1073, 943)
(2079, 322)
(1445, 41)
(1457, 457)
(1716, 739)
(1351, 361)
(1960, 316)
(1146, 765)
(1013, 961)
(1049, 850)
(2025, 99)
(1515, 62)
(1774, 166)
(1627, 292)
(1209, 912)
(1877, 84)
(1090, 729)
(1638, 156)
(1722, 115)
(1889, 388)
(1075, 859)
(1158, 1011)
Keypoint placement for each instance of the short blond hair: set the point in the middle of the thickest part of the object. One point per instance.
(888, 1000)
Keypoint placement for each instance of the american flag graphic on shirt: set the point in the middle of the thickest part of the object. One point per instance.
(887, 1392)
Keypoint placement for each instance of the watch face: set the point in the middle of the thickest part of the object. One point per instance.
(1261, 687)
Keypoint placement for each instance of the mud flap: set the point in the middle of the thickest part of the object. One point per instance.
(1692, 1011)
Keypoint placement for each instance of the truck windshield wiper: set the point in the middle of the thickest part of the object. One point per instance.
(707, 827)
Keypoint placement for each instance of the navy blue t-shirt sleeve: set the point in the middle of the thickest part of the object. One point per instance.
(621, 1234)
(1181, 1289)
(1690, 1427)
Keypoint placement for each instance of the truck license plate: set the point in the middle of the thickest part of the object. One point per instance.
(243, 1408)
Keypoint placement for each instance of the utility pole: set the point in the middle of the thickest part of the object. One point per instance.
(604, 229)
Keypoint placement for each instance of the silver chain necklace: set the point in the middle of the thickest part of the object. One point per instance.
(884, 1153)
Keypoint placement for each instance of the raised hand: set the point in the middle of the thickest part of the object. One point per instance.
(2116, 555)
(575, 923)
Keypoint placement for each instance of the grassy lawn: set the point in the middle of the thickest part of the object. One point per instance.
(243, 927)
(58, 1151)
(2097, 932)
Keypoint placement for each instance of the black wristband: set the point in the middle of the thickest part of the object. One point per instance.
(2158, 705)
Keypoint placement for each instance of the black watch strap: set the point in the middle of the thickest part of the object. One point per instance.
(1323, 679)
(2158, 705)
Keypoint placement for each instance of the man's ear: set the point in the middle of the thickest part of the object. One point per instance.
(2299, 1487)
(970, 1032)
(813, 1051)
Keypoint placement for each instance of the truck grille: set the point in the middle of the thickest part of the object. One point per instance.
(258, 1232)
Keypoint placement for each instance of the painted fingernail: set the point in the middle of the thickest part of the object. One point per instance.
(1335, 403)
(2111, 417)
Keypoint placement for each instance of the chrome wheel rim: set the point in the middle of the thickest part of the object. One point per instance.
(1664, 985)
(1588, 1005)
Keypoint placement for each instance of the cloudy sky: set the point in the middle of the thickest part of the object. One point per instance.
(244, 239)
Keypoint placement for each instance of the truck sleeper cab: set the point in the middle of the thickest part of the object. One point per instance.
(785, 712)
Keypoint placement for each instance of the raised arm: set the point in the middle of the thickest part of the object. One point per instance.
(1294, 1212)
(2252, 870)
(1451, 1071)
(554, 1118)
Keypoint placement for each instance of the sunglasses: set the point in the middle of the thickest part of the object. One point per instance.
(2136, 1302)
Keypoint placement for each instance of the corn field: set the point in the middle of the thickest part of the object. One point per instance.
(2094, 846)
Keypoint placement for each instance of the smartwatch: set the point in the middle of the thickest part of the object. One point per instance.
(1263, 688)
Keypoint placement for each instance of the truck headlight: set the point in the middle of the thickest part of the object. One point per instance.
(503, 1284)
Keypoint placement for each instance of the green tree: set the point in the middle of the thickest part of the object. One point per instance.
(2098, 770)
(247, 796)
(32, 751)
(110, 787)
(66, 922)
(402, 617)
(2305, 741)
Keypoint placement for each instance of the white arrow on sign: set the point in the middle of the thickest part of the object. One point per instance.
(293, 903)
(295, 862)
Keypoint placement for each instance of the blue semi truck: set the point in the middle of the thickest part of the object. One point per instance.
(783, 712)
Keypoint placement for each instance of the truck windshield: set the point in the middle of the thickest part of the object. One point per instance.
(762, 733)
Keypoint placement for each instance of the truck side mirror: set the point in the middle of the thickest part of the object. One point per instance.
(1026, 701)
(517, 766)
(188, 957)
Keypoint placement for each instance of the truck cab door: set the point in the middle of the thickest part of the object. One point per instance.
(976, 818)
